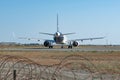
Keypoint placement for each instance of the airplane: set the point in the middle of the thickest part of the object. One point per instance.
(60, 38)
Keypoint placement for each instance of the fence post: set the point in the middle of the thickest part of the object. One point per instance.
(14, 74)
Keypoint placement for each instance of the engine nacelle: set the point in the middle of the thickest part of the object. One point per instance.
(75, 43)
(47, 43)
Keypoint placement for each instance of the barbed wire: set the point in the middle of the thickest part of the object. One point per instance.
(72, 67)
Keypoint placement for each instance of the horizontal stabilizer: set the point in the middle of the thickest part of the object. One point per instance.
(46, 33)
(68, 33)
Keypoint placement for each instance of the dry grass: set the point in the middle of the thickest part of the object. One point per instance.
(57, 55)
(105, 61)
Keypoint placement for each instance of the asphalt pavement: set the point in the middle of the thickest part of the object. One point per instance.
(83, 48)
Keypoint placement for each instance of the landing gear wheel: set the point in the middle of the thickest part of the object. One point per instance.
(69, 47)
(50, 46)
(62, 47)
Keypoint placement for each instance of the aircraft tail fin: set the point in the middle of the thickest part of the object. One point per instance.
(57, 24)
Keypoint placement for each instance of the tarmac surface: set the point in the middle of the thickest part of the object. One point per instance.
(83, 48)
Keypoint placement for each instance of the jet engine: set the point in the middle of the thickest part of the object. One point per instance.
(47, 43)
(75, 43)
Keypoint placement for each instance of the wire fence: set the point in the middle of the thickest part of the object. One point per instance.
(72, 67)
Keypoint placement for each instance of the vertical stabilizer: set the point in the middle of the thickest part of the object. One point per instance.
(57, 24)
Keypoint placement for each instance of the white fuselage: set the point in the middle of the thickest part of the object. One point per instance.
(59, 38)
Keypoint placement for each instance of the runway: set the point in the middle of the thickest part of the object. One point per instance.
(83, 48)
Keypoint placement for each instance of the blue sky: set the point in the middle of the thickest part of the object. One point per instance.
(88, 18)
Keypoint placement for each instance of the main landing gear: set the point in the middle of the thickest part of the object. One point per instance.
(69, 47)
(50, 46)
(62, 47)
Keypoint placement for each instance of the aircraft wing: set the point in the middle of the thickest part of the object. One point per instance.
(37, 39)
(27, 38)
(87, 39)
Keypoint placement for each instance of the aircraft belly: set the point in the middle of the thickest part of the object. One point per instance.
(59, 40)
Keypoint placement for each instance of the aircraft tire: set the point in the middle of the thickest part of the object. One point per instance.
(69, 47)
(62, 47)
(50, 46)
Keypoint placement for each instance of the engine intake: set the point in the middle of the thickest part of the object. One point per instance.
(75, 43)
(47, 43)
